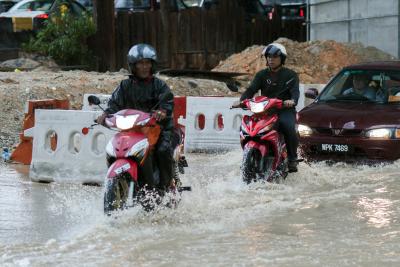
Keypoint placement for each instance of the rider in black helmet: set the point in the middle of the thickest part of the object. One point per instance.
(276, 81)
(141, 91)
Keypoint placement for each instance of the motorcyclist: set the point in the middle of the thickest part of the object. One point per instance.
(142, 91)
(276, 81)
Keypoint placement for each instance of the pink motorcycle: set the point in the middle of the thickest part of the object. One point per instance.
(133, 144)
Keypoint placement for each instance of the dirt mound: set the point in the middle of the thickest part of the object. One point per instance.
(18, 87)
(314, 61)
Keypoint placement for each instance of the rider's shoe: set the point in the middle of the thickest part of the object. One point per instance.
(292, 166)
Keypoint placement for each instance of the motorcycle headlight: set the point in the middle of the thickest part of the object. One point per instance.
(304, 130)
(258, 107)
(126, 122)
(383, 133)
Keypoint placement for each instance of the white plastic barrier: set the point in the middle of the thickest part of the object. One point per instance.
(76, 157)
(301, 103)
(212, 137)
(81, 158)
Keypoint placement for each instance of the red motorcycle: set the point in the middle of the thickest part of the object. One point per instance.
(138, 133)
(264, 148)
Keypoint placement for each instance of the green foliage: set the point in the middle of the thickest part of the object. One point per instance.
(64, 38)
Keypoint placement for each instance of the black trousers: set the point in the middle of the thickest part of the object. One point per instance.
(287, 126)
(163, 157)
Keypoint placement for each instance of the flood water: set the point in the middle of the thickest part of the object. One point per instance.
(338, 215)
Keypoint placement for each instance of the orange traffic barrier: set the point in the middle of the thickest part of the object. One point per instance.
(23, 152)
(179, 108)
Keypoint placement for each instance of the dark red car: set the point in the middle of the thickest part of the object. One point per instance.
(356, 116)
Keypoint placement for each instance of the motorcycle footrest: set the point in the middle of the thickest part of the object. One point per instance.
(184, 188)
(182, 161)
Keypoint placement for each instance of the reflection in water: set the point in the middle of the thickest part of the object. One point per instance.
(377, 211)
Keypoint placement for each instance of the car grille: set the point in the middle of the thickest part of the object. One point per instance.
(338, 132)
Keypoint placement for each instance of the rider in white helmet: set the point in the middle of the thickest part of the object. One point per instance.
(276, 81)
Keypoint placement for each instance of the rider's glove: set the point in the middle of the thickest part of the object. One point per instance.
(102, 118)
(237, 104)
(159, 115)
(289, 103)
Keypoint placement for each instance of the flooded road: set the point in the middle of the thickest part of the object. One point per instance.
(324, 215)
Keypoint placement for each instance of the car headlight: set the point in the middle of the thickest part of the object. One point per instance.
(304, 130)
(126, 122)
(382, 133)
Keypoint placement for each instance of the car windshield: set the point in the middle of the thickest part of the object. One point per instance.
(377, 86)
(34, 5)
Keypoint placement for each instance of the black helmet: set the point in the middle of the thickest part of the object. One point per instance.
(275, 49)
(139, 52)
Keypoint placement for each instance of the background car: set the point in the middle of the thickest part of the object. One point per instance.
(29, 14)
(350, 126)
(287, 10)
(5, 5)
(88, 4)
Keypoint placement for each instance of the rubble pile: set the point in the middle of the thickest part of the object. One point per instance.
(19, 86)
(314, 61)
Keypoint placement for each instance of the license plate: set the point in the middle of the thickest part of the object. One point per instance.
(337, 148)
(21, 24)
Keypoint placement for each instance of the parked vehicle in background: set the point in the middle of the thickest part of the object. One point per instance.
(88, 4)
(30, 14)
(287, 10)
(356, 117)
(5, 5)
(136, 5)
(252, 7)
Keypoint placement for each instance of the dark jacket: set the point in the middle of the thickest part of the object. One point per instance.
(142, 95)
(283, 85)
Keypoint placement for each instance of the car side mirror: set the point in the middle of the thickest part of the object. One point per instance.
(311, 93)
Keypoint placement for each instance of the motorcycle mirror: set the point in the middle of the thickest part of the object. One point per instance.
(93, 100)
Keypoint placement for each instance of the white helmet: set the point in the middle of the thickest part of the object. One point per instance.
(275, 49)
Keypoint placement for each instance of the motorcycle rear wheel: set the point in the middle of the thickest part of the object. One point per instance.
(116, 193)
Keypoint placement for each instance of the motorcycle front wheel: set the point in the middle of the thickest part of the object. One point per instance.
(249, 168)
(116, 193)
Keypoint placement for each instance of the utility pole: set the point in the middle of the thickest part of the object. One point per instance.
(104, 18)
